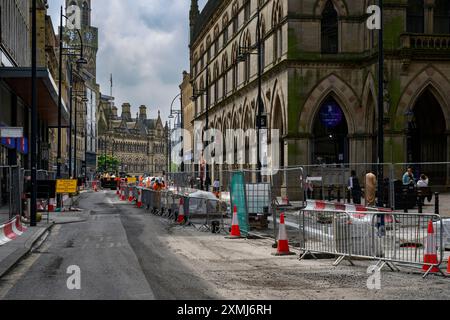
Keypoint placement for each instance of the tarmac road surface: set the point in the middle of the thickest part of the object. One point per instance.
(125, 253)
(121, 254)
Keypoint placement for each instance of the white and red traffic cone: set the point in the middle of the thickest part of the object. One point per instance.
(283, 242)
(118, 190)
(430, 258)
(130, 195)
(122, 194)
(235, 229)
(51, 205)
(139, 200)
(181, 216)
(95, 186)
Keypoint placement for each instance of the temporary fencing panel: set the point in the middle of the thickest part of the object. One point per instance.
(385, 237)
(238, 199)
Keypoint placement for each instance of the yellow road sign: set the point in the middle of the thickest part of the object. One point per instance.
(66, 186)
(132, 180)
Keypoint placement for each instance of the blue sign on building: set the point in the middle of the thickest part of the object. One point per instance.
(331, 114)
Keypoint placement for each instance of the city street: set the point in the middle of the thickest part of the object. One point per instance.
(125, 253)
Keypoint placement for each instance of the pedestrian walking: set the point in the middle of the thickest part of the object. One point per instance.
(355, 188)
(371, 189)
(308, 188)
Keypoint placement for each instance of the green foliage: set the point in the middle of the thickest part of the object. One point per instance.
(112, 163)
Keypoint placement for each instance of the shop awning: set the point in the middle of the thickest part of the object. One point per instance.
(19, 80)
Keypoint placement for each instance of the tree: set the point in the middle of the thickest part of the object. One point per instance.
(108, 163)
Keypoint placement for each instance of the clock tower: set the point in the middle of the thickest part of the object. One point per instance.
(89, 34)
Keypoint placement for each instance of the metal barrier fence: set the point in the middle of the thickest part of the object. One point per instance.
(205, 214)
(389, 238)
(333, 182)
(11, 190)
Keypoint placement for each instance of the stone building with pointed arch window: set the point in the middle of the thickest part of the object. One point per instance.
(140, 144)
(319, 78)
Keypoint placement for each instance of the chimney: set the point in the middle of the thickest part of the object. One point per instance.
(142, 112)
(126, 112)
(114, 112)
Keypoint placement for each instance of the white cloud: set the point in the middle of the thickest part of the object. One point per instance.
(144, 44)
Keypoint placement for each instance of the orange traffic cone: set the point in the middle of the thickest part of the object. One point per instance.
(181, 215)
(430, 258)
(139, 200)
(235, 229)
(283, 242)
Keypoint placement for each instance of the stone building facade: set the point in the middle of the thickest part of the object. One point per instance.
(319, 78)
(140, 144)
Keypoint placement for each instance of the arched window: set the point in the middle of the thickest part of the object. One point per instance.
(235, 13)
(331, 144)
(208, 49)
(216, 40)
(208, 87)
(225, 75)
(277, 15)
(247, 64)
(330, 29)
(202, 87)
(442, 17)
(225, 29)
(247, 9)
(85, 14)
(216, 82)
(415, 16)
(235, 67)
(262, 35)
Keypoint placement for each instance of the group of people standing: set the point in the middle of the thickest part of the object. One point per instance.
(371, 186)
(356, 190)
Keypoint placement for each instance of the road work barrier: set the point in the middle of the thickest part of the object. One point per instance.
(11, 230)
(333, 206)
(200, 209)
(388, 238)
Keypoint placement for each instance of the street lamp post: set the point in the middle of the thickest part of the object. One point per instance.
(84, 100)
(58, 161)
(79, 62)
(177, 113)
(206, 128)
(33, 213)
(70, 118)
(380, 108)
(260, 120)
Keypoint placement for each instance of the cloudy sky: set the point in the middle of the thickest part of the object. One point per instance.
(144, 44)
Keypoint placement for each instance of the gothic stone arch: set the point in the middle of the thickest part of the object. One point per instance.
(344, 95)
(339, 5)
(440, 85)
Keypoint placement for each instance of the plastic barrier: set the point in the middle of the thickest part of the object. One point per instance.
(373, 236)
